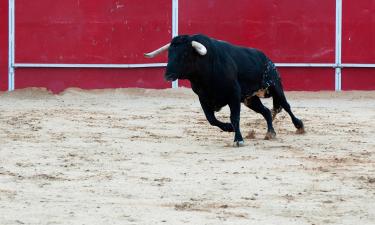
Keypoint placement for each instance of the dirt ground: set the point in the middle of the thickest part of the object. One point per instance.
(146, 157)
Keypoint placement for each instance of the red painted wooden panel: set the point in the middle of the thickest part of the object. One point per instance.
(307, 79)
(57, 80)
(358, 31)
(3, 45)
(286, 30)
(91, 31)
(358, 79)
(120, 31)
(301, 79)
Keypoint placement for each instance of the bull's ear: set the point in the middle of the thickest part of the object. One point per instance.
(157, 51)
(199, 47)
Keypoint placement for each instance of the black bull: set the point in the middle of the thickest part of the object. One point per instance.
(224, 74)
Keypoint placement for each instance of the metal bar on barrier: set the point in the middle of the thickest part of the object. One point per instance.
(155, 65)
(113, 66)
(11, 46)
(338, 43)
(357, 65)
(331, 65)
(174, 29)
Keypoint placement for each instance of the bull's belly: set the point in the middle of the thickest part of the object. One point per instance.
(217, 105)
(262, 93)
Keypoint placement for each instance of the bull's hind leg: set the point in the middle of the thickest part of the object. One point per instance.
(279, 97)
(276, 108)
(255, 104)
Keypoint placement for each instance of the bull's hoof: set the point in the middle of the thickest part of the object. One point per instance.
(270, 135)
(238, 144)
(300, 130)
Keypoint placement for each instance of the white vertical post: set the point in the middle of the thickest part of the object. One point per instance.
(338, 53)
(174, 29)
(11, 45)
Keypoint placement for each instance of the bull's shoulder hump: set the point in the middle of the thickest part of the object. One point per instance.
(248, 49)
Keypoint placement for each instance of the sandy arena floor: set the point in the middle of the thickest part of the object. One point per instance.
(147, 157)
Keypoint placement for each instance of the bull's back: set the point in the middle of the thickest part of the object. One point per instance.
(246, 65)
(248, 60)
(250, 63)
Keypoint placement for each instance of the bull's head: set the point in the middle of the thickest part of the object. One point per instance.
(183, 54)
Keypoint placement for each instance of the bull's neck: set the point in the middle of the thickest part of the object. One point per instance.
(200, 79)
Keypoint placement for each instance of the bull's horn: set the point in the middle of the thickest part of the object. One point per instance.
(157, 51)
(199, 47)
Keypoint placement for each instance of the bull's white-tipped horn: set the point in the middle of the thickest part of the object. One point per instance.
(157, 51)
(199, 47)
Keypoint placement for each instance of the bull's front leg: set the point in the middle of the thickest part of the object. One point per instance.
(210, 115)
(235, 110)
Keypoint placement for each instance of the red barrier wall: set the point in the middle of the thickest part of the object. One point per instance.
(3, 45)
(358, 40)
(358, 44)
(120, 31)
(89, 32)
(59, 79)
(287, 30)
